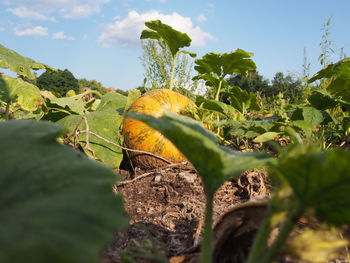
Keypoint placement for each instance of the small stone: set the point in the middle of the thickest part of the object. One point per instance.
(157, 178)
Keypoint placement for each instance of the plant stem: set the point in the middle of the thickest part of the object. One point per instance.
(206, 256)
(260, 240)
(263, 254)
(218, 90)
(7, 111)
(172, 74)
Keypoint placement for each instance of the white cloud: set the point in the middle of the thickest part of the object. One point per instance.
(24, 12)
(27, 30)
(40, 9)
(61, 35)
(201, 18)
(126, 33)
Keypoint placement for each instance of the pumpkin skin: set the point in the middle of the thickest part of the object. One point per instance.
(139, 136)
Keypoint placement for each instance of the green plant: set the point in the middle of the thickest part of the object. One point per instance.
(169, 37)
(214, 67)
(58, 205)
(215, 164)
(301, 176)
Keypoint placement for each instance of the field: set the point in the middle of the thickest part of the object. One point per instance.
(162, 174)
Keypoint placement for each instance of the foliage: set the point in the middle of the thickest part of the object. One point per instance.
(59, 82)
(104, 122)
(157, 60)
(252, 82)
(19, 64)
(214, 67)
(199, 146)
(58, 204)
(167, 36)
(91, 84)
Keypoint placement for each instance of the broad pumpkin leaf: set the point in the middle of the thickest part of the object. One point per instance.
(56, 204)
(173, 38)
(322, 100)
(223, 64)
(215, 164)
(214, 105)
(339, 75)
(242, 100)
(19, 64)
(112, 101)
(132, 96)
(73, 104)
(320, 181)
(25, 94)
(105, 123)
(312, 115)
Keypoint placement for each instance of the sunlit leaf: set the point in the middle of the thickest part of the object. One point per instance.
(227, 63)
(215, 164)
(312, 115)
(339, 76)
(320, 181)
(21, 92)
(112, 101)
(216, 106)
(316, 246)
(56, 205)
(104, 123)
(265, 137)
(173, 38)
(19, 64)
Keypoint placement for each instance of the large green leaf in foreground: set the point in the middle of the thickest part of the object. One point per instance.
(19, 64)
(56, 205)
(320, 180)
(215, 164)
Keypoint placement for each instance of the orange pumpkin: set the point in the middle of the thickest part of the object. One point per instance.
(139, 136)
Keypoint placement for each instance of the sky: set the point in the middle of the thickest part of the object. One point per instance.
(100, 39)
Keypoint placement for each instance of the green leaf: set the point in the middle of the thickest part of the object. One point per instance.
(112, 101)
(312, 115)
(74, 104)
(320, 181)
(26, 95)
(265, 137)
(132, 96)
(322, 100)
(223, 64)
(339, 76)
(104, 123)
(242, 99)
(57, 205)
(173, 38)
(214, 105)
(215, 164)
(305, 126)
(19, 64)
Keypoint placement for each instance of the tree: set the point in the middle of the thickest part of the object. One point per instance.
(252, 82)
(91, 84)
(157, 60)
(291, 88)
(59, 82)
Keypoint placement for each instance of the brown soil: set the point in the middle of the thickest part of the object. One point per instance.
(166, 211)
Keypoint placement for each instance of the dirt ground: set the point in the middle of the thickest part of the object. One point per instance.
(166, 210)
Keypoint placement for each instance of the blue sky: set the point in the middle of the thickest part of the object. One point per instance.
(99, 39)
